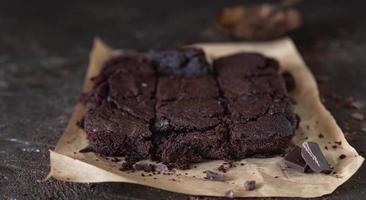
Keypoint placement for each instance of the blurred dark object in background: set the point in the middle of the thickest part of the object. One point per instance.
(261, 21)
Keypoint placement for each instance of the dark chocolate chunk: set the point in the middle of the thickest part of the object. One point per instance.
(250, 185)
(213, 176)
(294, 160)
(314, 157)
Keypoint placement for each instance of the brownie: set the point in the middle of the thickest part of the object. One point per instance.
(173, 88)
(269, 134)
(169, 107)
(184, 61)
(188, 115)
(245, 65)
(114, 133)
(181, 149)
(233, 87)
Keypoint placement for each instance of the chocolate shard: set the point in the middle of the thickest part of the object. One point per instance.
(250, 185)
(86, 149)
(213, 176)
(294, 160)
(314, 157)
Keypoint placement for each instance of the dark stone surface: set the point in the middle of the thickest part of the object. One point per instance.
(43, 56)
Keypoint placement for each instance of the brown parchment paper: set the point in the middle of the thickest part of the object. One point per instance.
(69, 165)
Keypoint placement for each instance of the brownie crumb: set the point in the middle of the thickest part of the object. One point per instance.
(87, 149)
(326, 148)
(334, 146)
(250, 185)
(225, 167)
(321, 135)
(229, 194)
(276, 177)
(339, 143)
(242, 164)
(342, 156)
(213, 176)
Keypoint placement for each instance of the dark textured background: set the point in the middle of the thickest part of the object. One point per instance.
(43, 57)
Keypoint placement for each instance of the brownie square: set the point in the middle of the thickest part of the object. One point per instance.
(179, 150)
(237, 86)
(243, 65)
(122, 85)
(173, 88)
(188, 115)
(249, 107)
(269, 134)
(114, 133)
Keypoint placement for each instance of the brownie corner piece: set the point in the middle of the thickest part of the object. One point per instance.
(114, 133)
(183, 61)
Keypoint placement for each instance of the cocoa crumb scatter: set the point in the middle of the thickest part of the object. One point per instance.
(339, 143)
(321, 135)
(326, 148)
(334, 146)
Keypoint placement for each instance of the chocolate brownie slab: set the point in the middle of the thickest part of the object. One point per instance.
(114, 133)
(173, 88)
(186, 61)
(169, 108)
(188, 115)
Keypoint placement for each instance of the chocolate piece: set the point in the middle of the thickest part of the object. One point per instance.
(186, 61)
(213, 176)
(250, 185)
(294, 160)
(314, 157)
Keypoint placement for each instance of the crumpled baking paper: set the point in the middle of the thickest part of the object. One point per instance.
(272, 178)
